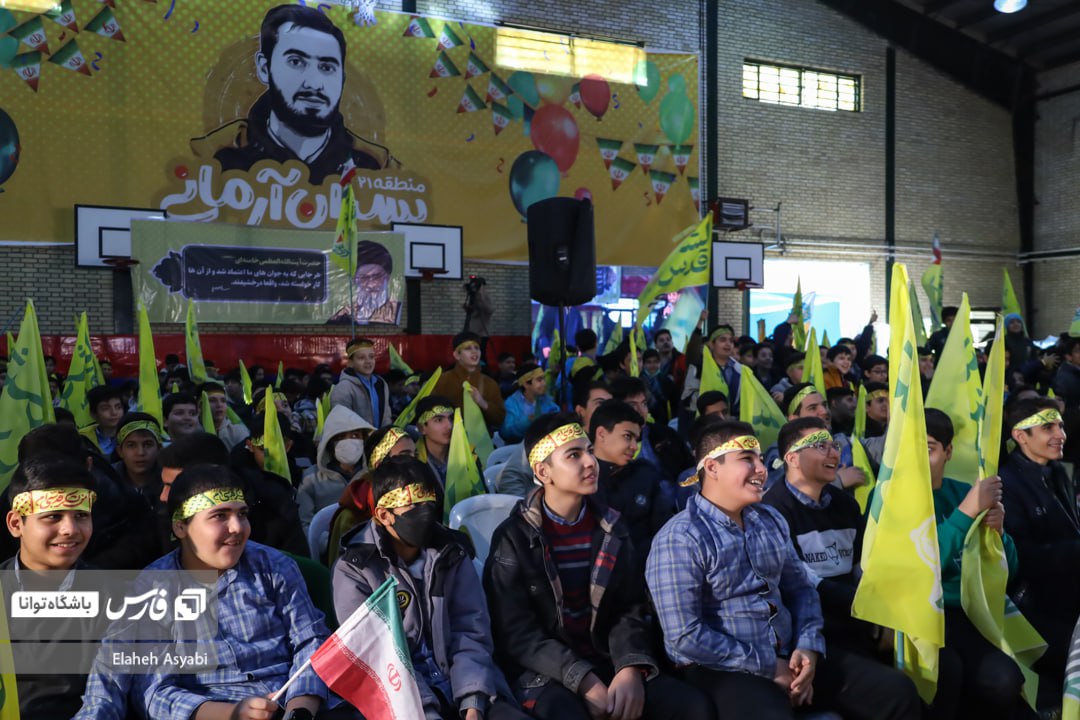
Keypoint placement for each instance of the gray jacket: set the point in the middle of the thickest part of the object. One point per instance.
(351, 393)
(323, 484)
(451, 613)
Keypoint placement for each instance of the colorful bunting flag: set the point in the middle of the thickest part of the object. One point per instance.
(475, 67)
(609, 150)
(64, 16)
(32, 34)
(681, 154)
(500, 117)
(646, 155)
(619, 170)
(470, 101)
(661, 182)
(71, 58)
(26, 402)
(497, 89)
(444, 67)
(449, 39)
(418, 27)
(105, 24)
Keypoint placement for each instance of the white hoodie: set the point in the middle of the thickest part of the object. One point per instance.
(323, 484)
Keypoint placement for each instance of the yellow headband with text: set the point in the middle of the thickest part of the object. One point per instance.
(408, 495)
(382, 450)
(1043, 417)
(796, 402)
(530, 376)
(736, 444)
(554, 440)
(821, 436)
(437, 410)
(147, 425)
(206, 500)
(33, 502)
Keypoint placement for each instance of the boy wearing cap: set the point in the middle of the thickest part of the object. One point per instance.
(359, 388)
(485, 391)
(444, 614)
(528, 403)
(568, 606)
(50, 517)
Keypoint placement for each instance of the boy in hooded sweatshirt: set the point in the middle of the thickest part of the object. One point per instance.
(359, 389)
(340, 459)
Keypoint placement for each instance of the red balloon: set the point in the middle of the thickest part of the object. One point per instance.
(595, 94)
(555, 133)
(583, 193)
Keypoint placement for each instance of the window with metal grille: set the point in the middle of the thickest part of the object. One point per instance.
(802, 87)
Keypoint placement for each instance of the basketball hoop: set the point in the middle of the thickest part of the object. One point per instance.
(744, 285)
(428, 274)
(120, 263)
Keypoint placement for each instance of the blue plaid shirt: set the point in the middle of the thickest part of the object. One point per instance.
(728, 598)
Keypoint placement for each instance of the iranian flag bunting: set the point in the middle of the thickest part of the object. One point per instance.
(367, 660)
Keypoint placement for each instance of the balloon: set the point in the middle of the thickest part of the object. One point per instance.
(553, 89)
(533, 177)
(595, 94)
(9, 147)
(647, 79)
(677, 112)
(9, 46)
(583, 193)
(521, 111)
(555, 132)
(524, 84)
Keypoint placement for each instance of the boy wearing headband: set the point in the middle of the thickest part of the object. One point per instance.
(738, 608)
(435, 419)
(528, 403)
(442, 605)
(138, 442)
(568, 606)
(721, 343)
(265, 615)
(359, 389)
(485, 391)
(804, 401)
(50, 518)
(1041, 517)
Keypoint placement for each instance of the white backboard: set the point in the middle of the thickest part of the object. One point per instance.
(431, 247)
(735, 262)
(105, 232)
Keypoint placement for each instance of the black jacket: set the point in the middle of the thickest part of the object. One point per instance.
(634, 490)
(1041, 517)
(272, 511)
(525, 597)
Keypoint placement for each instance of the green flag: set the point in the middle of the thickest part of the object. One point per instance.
(206, 415)
(475, 425)
(195, 364)
(462, 476)
(149, 384)
(956, 390)
(1009, 304)
(245, 381)
(81, 376)
(686, 266)
(758, 408)
(825, 339)
(812, 370)
(798, 330)
(26, 402)
(397, 363)
(275, 458)
(406, 415)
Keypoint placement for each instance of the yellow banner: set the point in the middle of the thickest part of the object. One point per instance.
(180, 106)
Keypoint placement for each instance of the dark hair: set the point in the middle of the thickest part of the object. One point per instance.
(650, 354)
(939, 426)
(430, 402)
(836, 350)
(102, 393)
(610, 413)
(199, 448)
(44, 473)
(292, 386)
(300, 16)
(398, 472)
(172, 359)
(199, 478)
(722, 326)
(793, 430)
(393, 375)
(464, 337)
(52, 440)
(717, 432)
(790, 394)
(711, 397)
(795, 356)
(173, 399)
(624, 387)
(837, 393)
(211, 386)
(506, 356)
(317, 387)
(63, 415)
(525, 369)
(322, 368)
(1069, 345)
(949, 311)
(585, 340)
(1028, 407)
(234, 376)
(661, 331)
(544, 424)
(871, 361)
(582, 390)
(874, 387)
(764, 346)
(131, 417)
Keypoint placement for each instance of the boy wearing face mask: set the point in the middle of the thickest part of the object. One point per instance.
(340, 460)
(442, 606)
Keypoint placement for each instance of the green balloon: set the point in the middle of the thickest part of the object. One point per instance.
(524, 84)
(534, 176)
(647, 79)
(677, 117)
(9, 46)
(677, 84)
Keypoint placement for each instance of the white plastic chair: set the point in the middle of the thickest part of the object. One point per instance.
(479, 515)
(491, 477)
(318, 534)
(503, 454)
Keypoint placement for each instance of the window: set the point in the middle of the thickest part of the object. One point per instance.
(569, 55)
(804, 87)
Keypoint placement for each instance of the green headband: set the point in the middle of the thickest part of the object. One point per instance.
(1043, 417)
(796, 402)
(437, 410)
(720, 331)
(135, 426)
(810, 440)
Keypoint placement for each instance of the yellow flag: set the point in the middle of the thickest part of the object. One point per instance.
(406, 415)
(994, 405)
(860, 460)
(320, 417)
(686, 266)
(711, 377)
(635, 371)
(397, 363)
(462, 475)
(26, 402)
(245, 382)
(1009, 304)
(901, 582)
(475, 425)
(798, 330)
(206, 415)
(343, 251)
(280, 375)
(933, 284)
(917, 316)
(758, 408)
(9, 694)
(812, 370)
(860, 413)
(275, 456)
(149, 384)
(81, 375)
(614, 339)
(195, 364)
(956, 390)
(551, 372)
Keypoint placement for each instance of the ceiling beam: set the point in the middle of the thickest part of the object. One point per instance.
(1066, 57)
(936, 6)
(1047, 45)
(974, 18)
(986, 71)
(1013, 30)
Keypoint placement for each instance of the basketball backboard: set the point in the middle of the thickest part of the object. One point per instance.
(738, 264)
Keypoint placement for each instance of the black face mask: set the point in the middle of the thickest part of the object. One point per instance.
(414, 527)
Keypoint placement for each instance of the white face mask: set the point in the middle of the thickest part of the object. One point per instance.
(349, 451)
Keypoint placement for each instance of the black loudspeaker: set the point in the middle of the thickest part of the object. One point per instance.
(562, 251)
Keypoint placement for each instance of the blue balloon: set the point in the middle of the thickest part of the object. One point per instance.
(9, 147)
(533, 177)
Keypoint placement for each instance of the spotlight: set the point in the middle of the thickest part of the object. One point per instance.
(1009, 6)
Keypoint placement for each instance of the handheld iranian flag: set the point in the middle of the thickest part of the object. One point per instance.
(367, 661)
